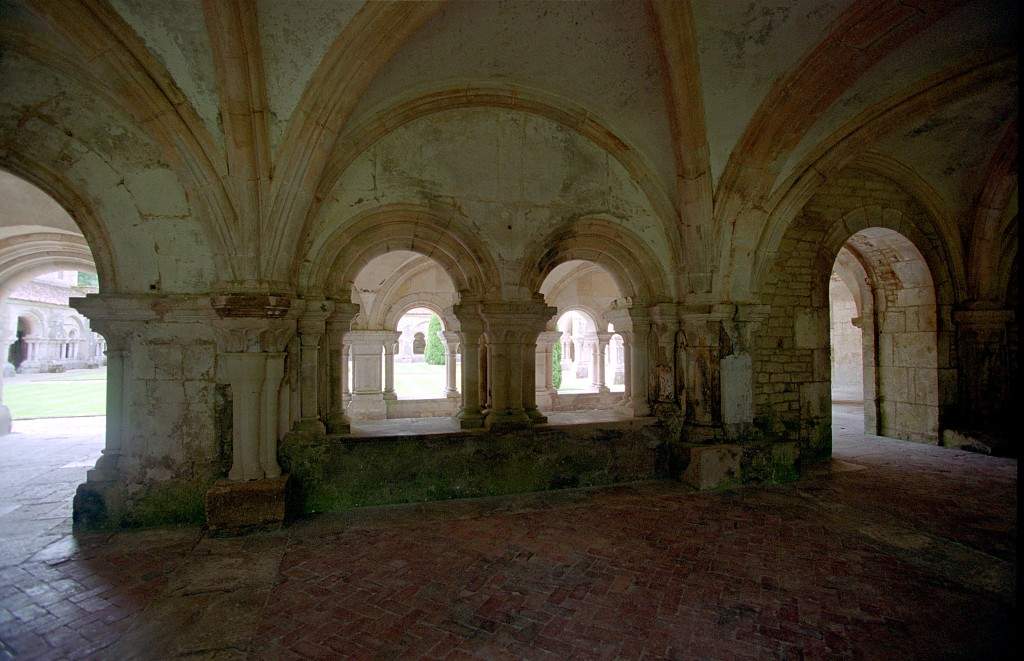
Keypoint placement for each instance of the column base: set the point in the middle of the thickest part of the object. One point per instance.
(507, 421)
(603, 389)
(238, 507)
(390, 396)
(471, 420)
(310, 426)
(453, 394)
(338, 423)
(536, 416)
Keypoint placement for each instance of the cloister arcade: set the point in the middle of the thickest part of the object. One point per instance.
(254, 287)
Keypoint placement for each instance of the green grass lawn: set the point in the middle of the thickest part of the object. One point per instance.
(56, 399)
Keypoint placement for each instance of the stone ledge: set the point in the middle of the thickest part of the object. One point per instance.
(240, 507)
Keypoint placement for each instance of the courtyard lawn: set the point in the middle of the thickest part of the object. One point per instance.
(55, 399)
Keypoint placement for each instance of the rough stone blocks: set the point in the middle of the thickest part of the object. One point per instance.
(713, 467)
(235, 507)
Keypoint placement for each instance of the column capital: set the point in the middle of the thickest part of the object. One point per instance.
(450, 338)
(549, 337)
(340, 319)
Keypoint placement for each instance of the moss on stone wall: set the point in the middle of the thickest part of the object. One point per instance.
(334, 475)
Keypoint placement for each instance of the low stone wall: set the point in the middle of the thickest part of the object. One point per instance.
(585, 401)
(422, 408)
(343, 472)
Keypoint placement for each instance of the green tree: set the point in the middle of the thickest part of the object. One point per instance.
(556, 366)
(434, 352)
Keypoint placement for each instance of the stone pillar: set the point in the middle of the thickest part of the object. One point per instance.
(544, 386)
(312, 326)
(471, 325)
(512, 329)
(987, 362)
(665, 324)
(337, 325)
(389, 367)
(245, 373)
(600, 378)
(251, 360)
(627, 377)
(367, 347)
(451, 343)
(639, 375)
(7, 336)
(346, 392)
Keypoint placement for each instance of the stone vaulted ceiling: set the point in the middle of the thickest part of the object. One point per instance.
(222, 130)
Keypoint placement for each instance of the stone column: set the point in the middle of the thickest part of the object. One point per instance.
(544, 386)
(451, 343)
(389, 367)
(337, 325)
(367, 347)
(7, 336)
(251, 360)
(118, 336)
(627, 376)
(600, 378)
(665, 324)
(639, 374)
(346, 393)
(312, 326)
(471, 326)
(512, 329)
(245, 373)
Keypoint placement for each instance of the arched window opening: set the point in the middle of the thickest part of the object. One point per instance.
(581, 362)
(402, 352)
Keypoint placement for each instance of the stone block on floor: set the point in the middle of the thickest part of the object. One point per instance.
(239, 507)
(713, 467)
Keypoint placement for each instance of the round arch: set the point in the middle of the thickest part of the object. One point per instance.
(332, 268)
(633, 267)
(555, 109)
(397, 309)
(97, 243)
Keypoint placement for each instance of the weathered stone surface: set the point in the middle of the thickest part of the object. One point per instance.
(237, 507)
(713, 467)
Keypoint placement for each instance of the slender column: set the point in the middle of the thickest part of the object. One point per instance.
(246, 373)
(311, 332)
(627, 377)
(543, 368)
(274, 374)
(451, 343)
(600, 359)
(338, 324)
(471, 326)
(389, 368)
(346, 393)
(118, 339)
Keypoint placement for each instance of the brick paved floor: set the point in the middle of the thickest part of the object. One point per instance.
(896, 550)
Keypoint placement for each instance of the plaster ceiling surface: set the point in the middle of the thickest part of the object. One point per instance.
(601, 55)
(175, 32)
(562, 272)
(977, 28)
(951, 149)
(294, 37)
(380, 268)
(22, 205)
(744, 47)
